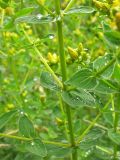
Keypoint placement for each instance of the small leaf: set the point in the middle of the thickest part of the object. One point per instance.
(36, 147)
(106, 87)
(6, 117)
(115, 137)
(47, 81)
(78, 98)
(91, 139)
(79, 10)
(58, 152)
(24, 11)
(83, 79)
(102, 61)
(112, 36)
(35, 19)
(26, 127)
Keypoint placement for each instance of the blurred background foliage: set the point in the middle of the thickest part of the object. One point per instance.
(20, 68)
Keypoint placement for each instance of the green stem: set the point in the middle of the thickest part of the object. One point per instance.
(30, 139)
(43, 60)
(64, 74)
(45, 8)
(115, 123)
(70, 4)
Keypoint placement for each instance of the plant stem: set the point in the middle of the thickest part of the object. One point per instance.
(115, 124)
(69, 5)
(30, 139)
(64, 74)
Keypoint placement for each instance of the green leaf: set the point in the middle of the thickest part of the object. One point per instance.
(26, 127)
(6, 117)
(36, 147)
(58, 152)
(112, 36)
(115, 137)
(91, 139)
(35, 19)
(47, 81)
(24, 11)
(78, 98)
(79, 10)
(100, 62)
(83, 79)
(106, 87)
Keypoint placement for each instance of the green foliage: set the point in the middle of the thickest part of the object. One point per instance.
(26, 127)
(59, 80)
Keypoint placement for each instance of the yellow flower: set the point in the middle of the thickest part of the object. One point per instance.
(10, 106)
(11, 51)
(29, 31)
(116, 3)
(52, 58)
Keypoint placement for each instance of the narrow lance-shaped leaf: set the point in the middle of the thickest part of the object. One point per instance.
(35, 19)
(26, 127)
(6, 117)
(79, 10)
(36, 147)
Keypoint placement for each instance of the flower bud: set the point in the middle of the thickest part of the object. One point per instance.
(73, 53)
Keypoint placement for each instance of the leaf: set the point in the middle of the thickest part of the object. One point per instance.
(36, 147)
(112, 36)
(102, 61)
(35, 19)
(6, 117)
(106, 87)
(24, 11)
(26, 127)
(83, 79)
(79, 10)
(91, 139)
(115, 137)
(78, 98)
(47, 81)
(58, 152)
